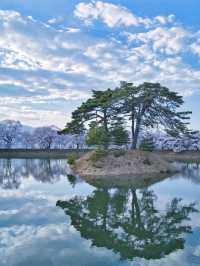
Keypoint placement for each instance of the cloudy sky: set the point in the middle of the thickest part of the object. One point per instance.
(53, 53)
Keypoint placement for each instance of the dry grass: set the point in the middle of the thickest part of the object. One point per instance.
(128, 163)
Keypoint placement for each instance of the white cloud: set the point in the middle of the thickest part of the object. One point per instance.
(164, 19)
(165, 40)
(46, 70)
(112, 15)
(73, 30)
(115, 15)
(56, 20)
(195, 46)
(10, 16)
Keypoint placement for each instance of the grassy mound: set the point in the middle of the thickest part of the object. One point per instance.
(115, 163)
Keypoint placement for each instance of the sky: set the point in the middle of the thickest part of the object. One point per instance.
(53, 53)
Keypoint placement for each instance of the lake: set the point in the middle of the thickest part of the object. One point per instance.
(50, 218)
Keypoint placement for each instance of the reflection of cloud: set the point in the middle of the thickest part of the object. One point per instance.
(32, 211)
(52, 244)
(60, 245)
(22, 238)
(30, 223)
(33, 229)
(186, 257)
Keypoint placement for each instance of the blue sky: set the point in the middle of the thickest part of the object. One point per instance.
(53, 53)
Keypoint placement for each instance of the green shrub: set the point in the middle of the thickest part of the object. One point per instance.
(72, 158)
(120, 135)
(97, 155)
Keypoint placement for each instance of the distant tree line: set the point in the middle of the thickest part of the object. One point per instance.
(106, 116)
(13, 135)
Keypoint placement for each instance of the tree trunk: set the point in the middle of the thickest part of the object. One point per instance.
(105, 122)
(133, 211)
(135, 135)
(137, 128)
(132, 128)
(105, 211)
(137, 208)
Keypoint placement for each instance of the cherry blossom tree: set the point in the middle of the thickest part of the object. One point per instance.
(9, 131)
(28, 140)
(44, 137)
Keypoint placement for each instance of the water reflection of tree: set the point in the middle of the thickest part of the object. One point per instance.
(8, 178)
(129, 225)
(191, 171)
(47, 171)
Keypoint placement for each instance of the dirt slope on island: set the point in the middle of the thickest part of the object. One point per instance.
(127, 163)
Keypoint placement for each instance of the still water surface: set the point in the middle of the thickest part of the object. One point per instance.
(50, 219)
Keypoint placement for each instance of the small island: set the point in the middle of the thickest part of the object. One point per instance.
(116, 163)
(118, 124)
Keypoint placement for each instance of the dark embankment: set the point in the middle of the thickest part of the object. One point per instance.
(38, 153)
(186, 156)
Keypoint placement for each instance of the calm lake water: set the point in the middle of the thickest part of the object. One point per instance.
(50, 219)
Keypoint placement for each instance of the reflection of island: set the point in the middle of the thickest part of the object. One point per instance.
(119, 220)
(46, 171)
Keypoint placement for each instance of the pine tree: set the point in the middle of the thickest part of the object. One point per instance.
(97, 136)
(151, 104)
(146, 106)
(119, 134)
(99, 109)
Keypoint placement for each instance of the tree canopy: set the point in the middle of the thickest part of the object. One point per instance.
(147, 105)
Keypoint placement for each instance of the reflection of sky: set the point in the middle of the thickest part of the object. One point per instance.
(33, 231)
(180, 186)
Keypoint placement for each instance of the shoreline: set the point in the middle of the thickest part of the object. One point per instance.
(189, 156)
(186, 156)
(39, 153)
